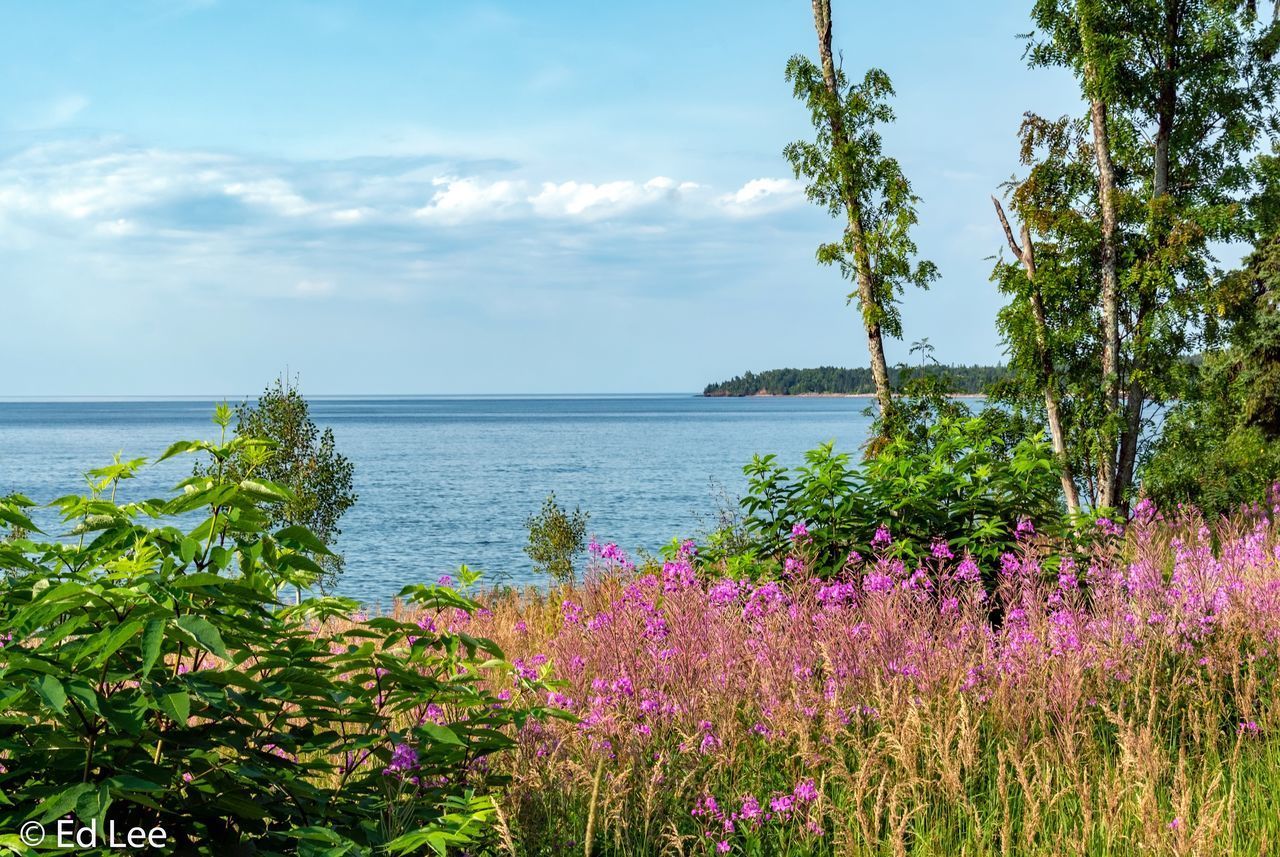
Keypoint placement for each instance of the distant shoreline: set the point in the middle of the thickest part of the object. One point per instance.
(821, 395)
(858, 383)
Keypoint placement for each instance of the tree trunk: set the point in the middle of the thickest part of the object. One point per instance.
(1166, 113)
(1026, 254)
(867, 296)
(1129, 443)
(1108, 483)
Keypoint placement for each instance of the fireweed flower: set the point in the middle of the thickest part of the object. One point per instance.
(764, 601)
(1025, 529)
(799, 532)
(706, 806)
(941, 550)
(967, 571)
(1109, 527)
(678, 575)
(883, 538)
(570, 612)
(877, 581)
(723, 592)
(404, 760)
(805, 791)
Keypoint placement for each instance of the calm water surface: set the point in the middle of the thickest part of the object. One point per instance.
(445, 481)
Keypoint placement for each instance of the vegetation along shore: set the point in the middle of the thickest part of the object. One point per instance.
(1047, 627)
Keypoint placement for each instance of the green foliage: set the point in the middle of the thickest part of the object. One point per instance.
(857, 171)
(965, 482)
(555, 538)
(1189, 90)
(303, 459)
(1221, 446)
(149, 675)
(830, 379)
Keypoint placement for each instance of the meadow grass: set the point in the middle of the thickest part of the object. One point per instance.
(1116, 702)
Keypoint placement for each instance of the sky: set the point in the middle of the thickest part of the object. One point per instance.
(472, 198)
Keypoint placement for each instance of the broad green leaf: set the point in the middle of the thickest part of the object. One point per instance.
(177, 706)
(205, 633)
(303, 538)
(52, 691)
(441, 734)
(152, 637)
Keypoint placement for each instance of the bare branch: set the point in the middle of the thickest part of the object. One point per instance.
(1008, 230)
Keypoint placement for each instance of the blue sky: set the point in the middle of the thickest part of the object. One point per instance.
(430, 197)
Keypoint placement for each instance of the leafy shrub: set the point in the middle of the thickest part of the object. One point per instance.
(150, 676)
(966, 484)
(555, 538)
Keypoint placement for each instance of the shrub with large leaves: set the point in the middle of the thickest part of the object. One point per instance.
(150, 676)
(964, 482)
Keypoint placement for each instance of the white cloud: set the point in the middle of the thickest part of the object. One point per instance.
(105, 189)
(472, 199)
(465, 199)
(571, 198)
(762, 196)
(273, 193)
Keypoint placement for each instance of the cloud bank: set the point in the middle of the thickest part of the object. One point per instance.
(110, 190)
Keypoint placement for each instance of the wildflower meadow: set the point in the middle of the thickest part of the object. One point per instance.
(1121, 701)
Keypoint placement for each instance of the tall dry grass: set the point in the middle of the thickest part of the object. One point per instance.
(1122, 702)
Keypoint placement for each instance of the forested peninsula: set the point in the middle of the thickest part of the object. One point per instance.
(836, 381)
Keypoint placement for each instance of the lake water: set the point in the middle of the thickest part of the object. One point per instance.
(444, 481)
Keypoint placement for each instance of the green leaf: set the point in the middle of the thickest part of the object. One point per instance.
(205, 634)
(266, 491)
(177, 706)
(52, 691)
(301, 537)
(117, 638)
(130, 783)
(188, 549)
(62, 803)
(152, 637)
(441, 734)
(179, 448)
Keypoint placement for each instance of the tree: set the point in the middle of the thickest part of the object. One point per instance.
(1221, 444)
(555, 538)
(1123, 207)
(849, 175)
(303, 459)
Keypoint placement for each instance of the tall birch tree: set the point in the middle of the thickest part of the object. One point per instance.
(849, 175)
(1178, 96)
